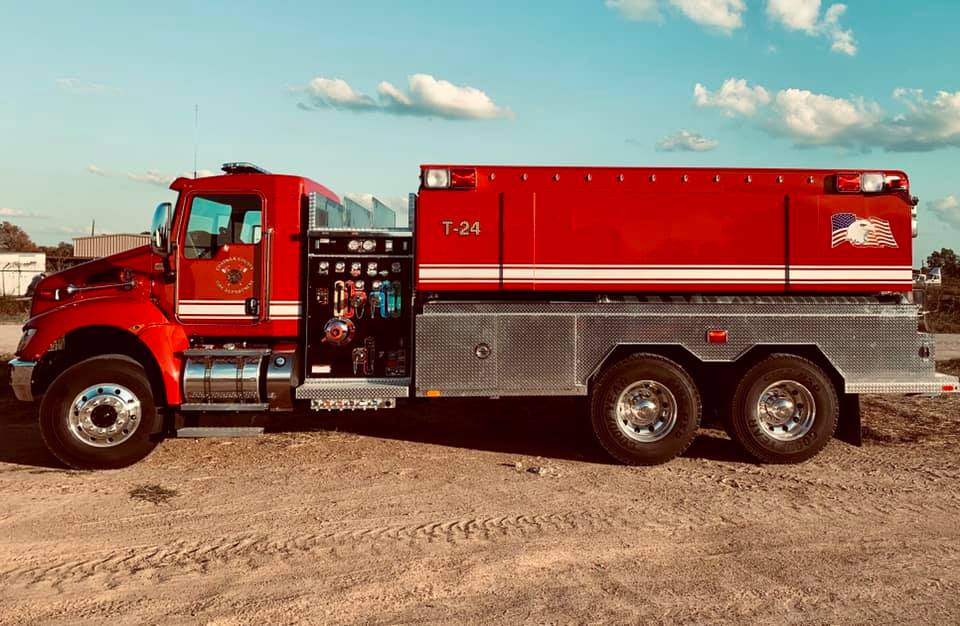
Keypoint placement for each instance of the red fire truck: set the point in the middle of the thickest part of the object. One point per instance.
(769, 298)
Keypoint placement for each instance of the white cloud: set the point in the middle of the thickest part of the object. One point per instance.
(152, 177)
(804, 16)
(97, 171)
(947, 210)
(337, 94)
(801, 15)
(926, 124)
(8, 212)
(842, 40)
(735, 97)
(637, 10)
(814, 119)
(426, 96)
(83, 87)
(724, 15)
(686, 141)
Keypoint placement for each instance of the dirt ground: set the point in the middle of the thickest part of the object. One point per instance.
(484, 512)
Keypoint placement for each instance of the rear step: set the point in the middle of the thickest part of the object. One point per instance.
(188, 432)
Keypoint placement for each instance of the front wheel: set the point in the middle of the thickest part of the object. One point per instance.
(100, 414)
(785, 410)
(645, 410)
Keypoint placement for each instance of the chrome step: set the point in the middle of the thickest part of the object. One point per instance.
(353, 389)
(249, 407)
(188, 432)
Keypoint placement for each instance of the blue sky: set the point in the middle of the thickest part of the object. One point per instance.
(97, 103)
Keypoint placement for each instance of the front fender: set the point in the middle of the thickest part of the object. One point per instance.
(140, 318)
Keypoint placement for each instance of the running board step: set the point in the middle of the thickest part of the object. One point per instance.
(191, 432)
(353, 389)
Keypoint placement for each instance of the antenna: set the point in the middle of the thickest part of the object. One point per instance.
(196, 136)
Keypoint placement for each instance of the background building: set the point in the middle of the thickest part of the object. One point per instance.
(104, 245)
(17, 271)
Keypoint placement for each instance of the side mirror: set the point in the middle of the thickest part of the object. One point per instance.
(160, 228)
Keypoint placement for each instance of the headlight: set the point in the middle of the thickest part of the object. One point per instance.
(25, 339)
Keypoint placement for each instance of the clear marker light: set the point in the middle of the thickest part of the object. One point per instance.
(436, 178)
(872, 182)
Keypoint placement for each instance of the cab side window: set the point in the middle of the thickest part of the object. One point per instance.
(218, 220)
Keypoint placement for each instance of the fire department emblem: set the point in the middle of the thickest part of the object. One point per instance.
(234, 275)
(861, 232)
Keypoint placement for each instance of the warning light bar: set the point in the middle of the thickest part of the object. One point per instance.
(869, 182)
(450, 178)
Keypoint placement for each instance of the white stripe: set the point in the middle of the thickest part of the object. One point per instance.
(676, 266)
(717, 273)
(234, 301)
(209, 309)
(894, 274)
(459, 273)
(284, 309)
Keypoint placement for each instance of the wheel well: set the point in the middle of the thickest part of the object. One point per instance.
(91, 341)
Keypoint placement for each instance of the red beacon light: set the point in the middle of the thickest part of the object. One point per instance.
(450, 178)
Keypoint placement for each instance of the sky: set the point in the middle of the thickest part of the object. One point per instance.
(98, 98)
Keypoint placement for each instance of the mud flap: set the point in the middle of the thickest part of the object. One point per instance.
(849, 426)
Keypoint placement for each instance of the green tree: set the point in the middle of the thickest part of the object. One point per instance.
(57, 255)
(15, 239)
(946, 260)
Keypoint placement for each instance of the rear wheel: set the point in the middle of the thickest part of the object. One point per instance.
(785, 410)
(100, 414)
(645, 410)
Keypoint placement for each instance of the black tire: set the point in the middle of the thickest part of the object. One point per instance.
(109, 374)
(611, 431)
(748, 425)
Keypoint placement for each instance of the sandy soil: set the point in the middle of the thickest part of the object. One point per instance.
(948, 346)
(9, 337)
(436, 513)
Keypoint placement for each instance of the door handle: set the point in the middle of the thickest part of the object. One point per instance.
(251, 306)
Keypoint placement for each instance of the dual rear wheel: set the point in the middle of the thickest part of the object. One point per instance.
(646, 410)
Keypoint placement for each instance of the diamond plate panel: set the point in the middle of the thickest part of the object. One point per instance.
(536, 352)
(353, 389)
(869, 341)
(446, 353)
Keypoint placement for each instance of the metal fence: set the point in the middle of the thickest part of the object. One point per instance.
(18, 271)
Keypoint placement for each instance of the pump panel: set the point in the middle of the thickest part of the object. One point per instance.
(359, 296)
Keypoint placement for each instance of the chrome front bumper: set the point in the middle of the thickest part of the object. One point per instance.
(21, 379)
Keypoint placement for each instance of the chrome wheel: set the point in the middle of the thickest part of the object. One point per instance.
(646, 411)
(104, 415)
(786, 410)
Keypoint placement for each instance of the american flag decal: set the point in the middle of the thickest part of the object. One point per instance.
(861, 232)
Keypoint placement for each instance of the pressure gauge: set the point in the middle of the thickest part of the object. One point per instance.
(353, 245)
(369, 245)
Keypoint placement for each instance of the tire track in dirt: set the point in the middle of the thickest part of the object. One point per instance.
(199, 555)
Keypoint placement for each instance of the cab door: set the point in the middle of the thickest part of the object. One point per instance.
(220, 274)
